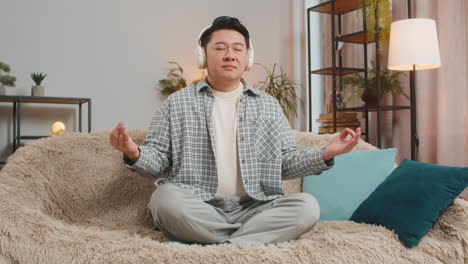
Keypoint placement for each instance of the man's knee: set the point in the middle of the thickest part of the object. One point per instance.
(309, 213)
(166, 202)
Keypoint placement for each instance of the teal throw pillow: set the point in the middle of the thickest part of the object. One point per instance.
(412, 198)
(342, 188)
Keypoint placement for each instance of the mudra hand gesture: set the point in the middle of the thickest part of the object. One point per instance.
(341, 144)
(121, 141)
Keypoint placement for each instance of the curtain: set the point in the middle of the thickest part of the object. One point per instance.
(442, 94)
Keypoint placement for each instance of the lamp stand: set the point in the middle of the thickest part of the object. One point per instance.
(414, 133)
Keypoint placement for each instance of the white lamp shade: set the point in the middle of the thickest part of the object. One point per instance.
(413, 42)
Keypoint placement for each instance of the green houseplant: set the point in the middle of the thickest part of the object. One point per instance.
(5, 79)
(174, 80)
(38, 89)
(359, 87)
(282, 88)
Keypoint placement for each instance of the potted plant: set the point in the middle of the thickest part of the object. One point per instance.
(367, 89)
(175, 80)
(5, 79)
(38, 89)
(282, 88)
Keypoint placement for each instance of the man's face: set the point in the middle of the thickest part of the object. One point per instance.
(226, 54)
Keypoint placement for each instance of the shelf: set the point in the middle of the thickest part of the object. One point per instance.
(32, 137)
(43, 99)
(373, 108)
(362, 37)
(339, 71)
(362, 133)
(322, 133)
(18, 100)
(357, 37)
(341, 7)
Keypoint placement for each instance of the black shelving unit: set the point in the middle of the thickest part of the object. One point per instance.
(17, 101)
(335, 9)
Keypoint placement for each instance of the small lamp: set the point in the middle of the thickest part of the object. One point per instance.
(57, 128)
(413, 46)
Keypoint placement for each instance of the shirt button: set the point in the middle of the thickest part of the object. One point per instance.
(242, 138)
(246, 181)
(240, 118)
(243, 161)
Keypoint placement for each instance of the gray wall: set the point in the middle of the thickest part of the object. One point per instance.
(114, 51)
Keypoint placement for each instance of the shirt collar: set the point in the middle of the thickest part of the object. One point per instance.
(203, 83)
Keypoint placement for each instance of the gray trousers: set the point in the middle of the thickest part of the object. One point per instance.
(182, 217)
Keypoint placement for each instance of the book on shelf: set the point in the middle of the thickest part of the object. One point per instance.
(329, 130)
(337, 120)
(343, 121)
(339, 115)
(343, 124)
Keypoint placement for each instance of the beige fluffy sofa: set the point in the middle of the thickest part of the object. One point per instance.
(69, 199)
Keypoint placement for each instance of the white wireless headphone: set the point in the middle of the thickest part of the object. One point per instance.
(201, 55)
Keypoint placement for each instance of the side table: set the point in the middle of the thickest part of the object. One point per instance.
(17, 101)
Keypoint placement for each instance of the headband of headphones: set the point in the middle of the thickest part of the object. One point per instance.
(201, 54)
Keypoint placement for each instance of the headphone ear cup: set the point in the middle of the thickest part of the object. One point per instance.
(251, 56)
(200, 52)
(201, 57)
(251, 59)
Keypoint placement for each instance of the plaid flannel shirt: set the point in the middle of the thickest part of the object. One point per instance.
(180, 141)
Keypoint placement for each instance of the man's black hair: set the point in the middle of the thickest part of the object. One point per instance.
(224, 22)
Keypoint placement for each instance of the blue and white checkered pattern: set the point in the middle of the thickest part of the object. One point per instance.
(181, 139)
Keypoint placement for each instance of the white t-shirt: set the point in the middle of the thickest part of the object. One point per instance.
(225, 126)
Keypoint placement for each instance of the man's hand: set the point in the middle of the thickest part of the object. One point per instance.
(340, 144)
(120, 140)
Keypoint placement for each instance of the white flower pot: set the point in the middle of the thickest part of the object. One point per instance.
(37, 90)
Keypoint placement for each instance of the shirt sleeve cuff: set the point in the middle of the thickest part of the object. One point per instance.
(328, 163)
(129, 163)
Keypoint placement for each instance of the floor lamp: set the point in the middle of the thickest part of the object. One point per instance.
(413, 46)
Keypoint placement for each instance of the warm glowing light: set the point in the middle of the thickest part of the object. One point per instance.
(57, 128)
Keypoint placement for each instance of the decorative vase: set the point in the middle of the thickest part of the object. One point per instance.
(339, 101)
(2, 89)
(37, 90)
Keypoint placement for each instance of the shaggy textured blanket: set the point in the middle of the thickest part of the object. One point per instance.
(70, 199)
